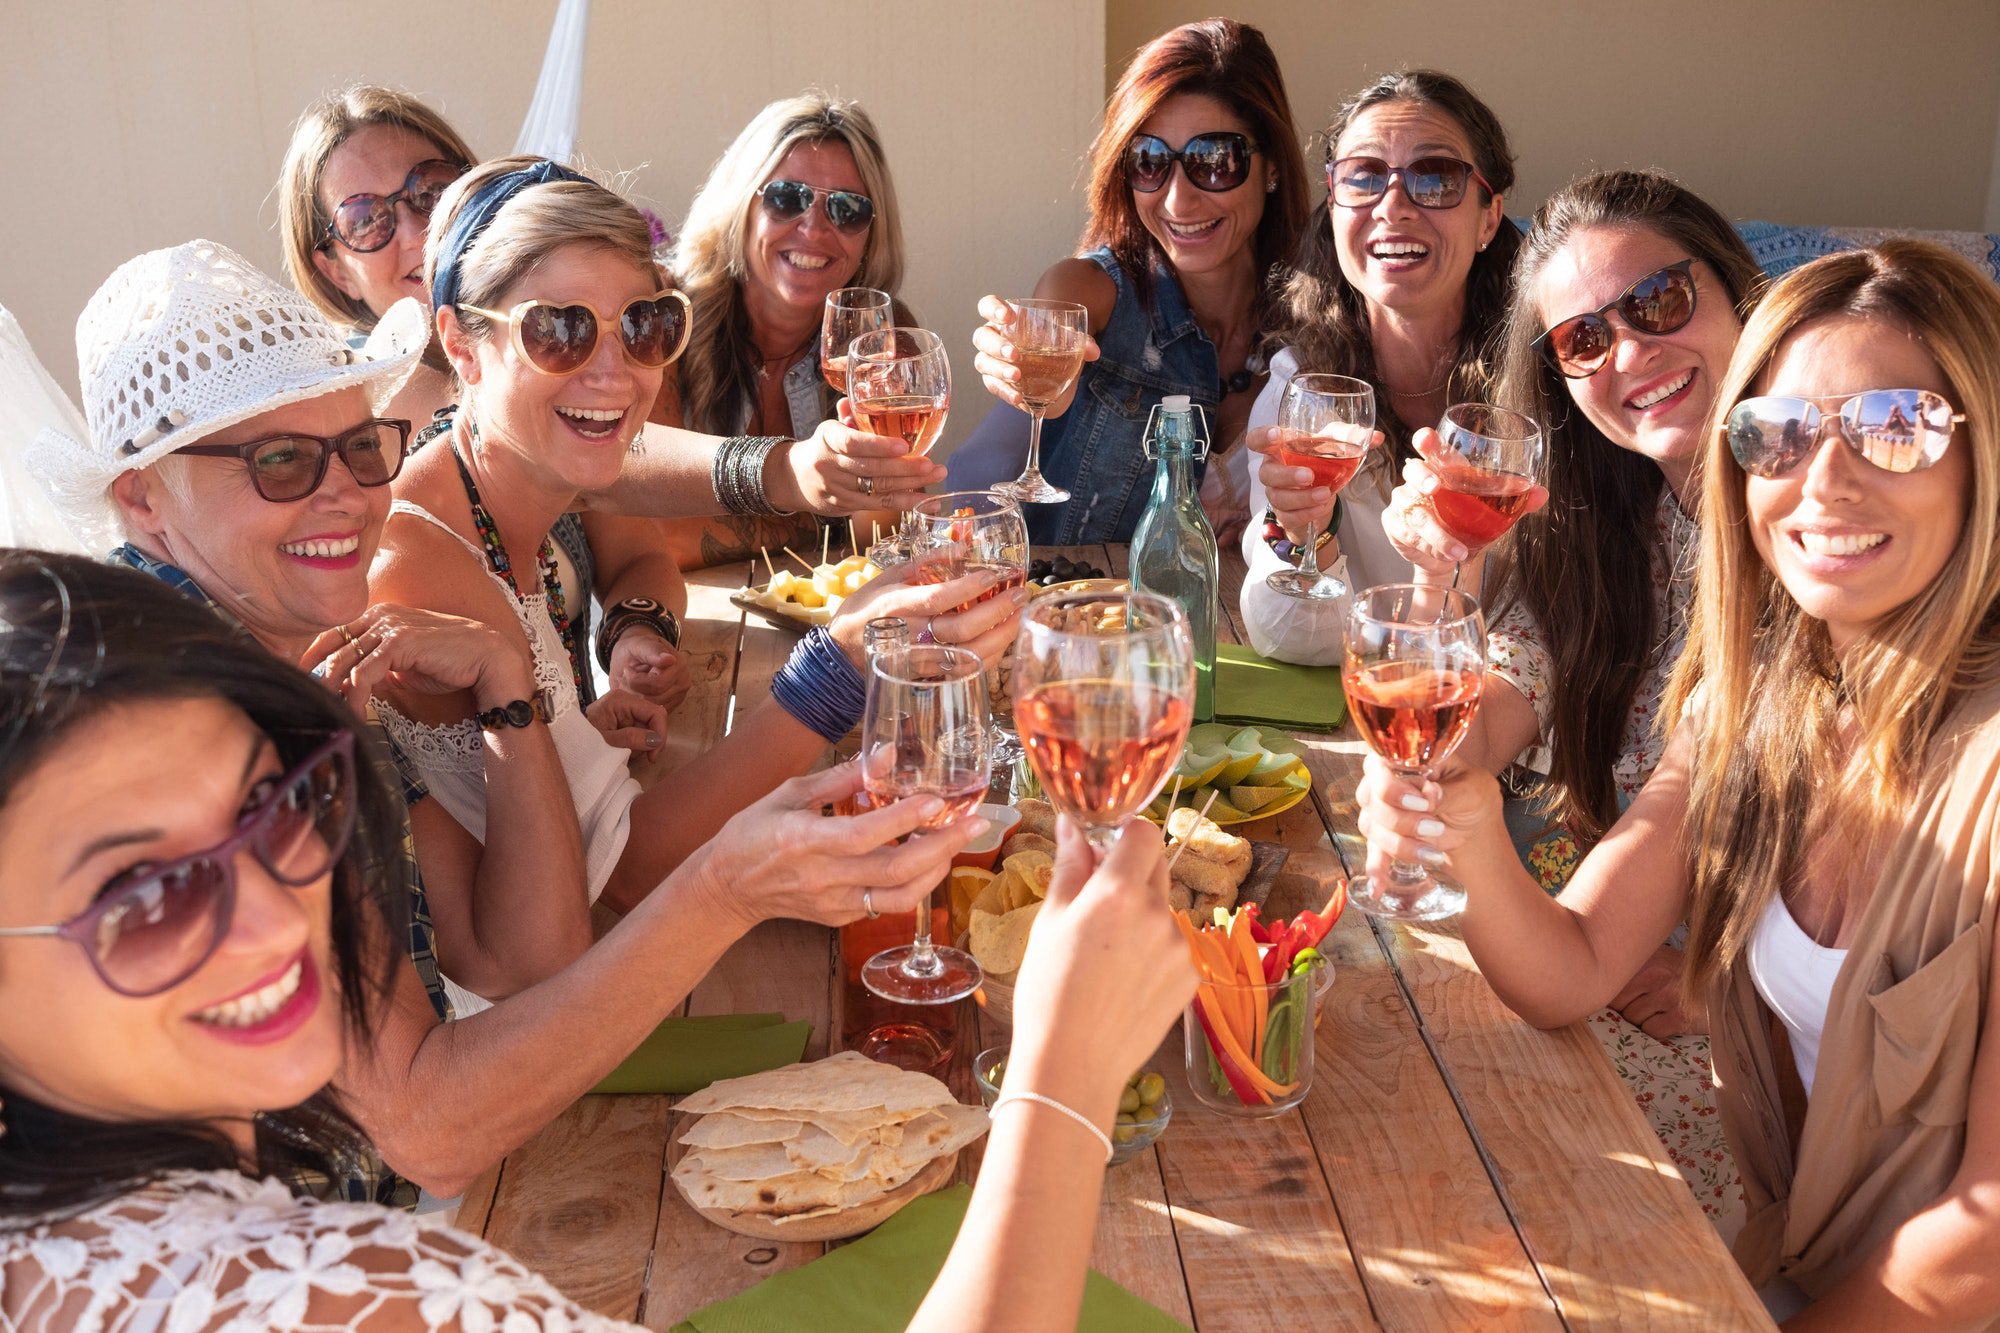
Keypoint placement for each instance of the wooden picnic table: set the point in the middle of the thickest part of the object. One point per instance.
(1452, 1167)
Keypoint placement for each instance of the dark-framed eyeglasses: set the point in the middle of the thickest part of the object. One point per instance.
(1216, 162)
(156, 925)
(846, 210)
(292, 465)
(364, 223)
(1436, 182)
(1898, 430)
(1661, 302)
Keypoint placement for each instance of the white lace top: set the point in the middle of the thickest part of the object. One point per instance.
(451, 758)
(217, 1252)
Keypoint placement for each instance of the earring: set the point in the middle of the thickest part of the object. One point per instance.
(1270, 187)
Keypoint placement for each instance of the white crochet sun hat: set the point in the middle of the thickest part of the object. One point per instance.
(180, 343)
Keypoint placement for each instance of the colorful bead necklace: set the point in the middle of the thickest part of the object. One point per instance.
(496, 555)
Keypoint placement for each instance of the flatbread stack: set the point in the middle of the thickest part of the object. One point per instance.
(812, 1140)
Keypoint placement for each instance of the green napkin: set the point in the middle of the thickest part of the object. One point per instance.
(1249, 688)
(687, 1054)
(878, 1283)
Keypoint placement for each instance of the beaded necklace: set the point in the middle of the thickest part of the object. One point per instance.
(496, 555)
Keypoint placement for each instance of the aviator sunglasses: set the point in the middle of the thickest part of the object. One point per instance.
(1660, 302)
(1898, 430)
(561, 339)
(1217, 162)
(291, 466)
(846, 210)
(364, 223)
(1430, 182)
(155, 926)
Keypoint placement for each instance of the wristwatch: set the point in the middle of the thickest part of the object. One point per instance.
(635, 611)
(537, 707)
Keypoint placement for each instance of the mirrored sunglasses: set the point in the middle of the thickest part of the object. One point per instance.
(1898, 430)
(364, 223)
(846, 210)
(561, 339)
(1661, 302)
(1430, 182)
(1214, 162)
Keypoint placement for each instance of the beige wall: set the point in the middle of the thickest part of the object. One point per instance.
(130, 126)
(1822, 112)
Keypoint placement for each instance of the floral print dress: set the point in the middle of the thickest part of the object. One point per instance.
(1670, 1080)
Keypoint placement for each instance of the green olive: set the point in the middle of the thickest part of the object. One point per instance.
(1152, 1087)
(1125, 1118)
(1129, 1099)
(997, 1073)
(1146, 1115)
(1125, 1133)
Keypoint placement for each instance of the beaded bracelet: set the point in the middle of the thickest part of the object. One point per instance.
(738, 474)
(1007, 1098)
(1286, 548)
(820, 687)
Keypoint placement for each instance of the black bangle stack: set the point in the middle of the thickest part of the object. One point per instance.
(628, 613)
(519, 713)
(738, 475)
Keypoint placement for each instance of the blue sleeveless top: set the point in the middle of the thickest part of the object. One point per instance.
(1096, 450)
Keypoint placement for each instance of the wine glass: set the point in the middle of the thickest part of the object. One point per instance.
(1326, 424)
(899, 385)
(1493, 457)
(925, 733)
(1103, 684)
(1048, 351)
(968, 532)
(1416, 660)
(850, 312)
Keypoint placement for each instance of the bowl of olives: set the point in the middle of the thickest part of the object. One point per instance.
(1048, 573)
(1143, 1107)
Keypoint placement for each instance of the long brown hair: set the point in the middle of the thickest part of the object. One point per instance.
(1771, 774)
(1324, 319)
(1575, 565)
(1232, 63)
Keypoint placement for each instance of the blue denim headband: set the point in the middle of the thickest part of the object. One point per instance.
(478, 213)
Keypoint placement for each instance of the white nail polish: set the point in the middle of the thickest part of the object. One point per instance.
(1429, 828)
(1415, 802)
(1430, 856)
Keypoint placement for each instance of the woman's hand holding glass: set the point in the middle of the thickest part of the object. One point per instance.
(960, 613)
(781, 857)
(1411, 523)
(998, 358)
(1411, 819)
(843, 470)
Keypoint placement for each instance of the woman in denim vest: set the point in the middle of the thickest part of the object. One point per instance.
(1197, 189)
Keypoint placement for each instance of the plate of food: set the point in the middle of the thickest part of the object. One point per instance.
(1253, 773)
(821, 1150)
(801, 601)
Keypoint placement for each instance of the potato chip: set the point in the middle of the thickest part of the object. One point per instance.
(1035, 869)
(1016, 893)
(993, 897)
(1000, 942)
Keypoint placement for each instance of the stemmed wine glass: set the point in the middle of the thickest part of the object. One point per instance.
(1048, 351)
(899, 385)
(850, 312)
(1325, 425)
(1416, 661)
(1102, 689)
(968, 532)
(1493, 458)
(925, 733)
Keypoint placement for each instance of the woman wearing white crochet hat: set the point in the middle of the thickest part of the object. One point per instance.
(233, 445)
(560, 328)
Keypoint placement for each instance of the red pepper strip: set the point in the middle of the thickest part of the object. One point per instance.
(1317, 924)
(1245, 1092)
(1271, 961)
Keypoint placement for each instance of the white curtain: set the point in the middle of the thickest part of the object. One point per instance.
(30, 399)
(550, 130)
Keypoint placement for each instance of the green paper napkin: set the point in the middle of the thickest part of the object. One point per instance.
(685, 1055)
(879, 1281)
(1249, 688)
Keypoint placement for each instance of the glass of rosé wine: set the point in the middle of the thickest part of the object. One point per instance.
(1326, 424)
(1103, 689)
(1492, 459)
(1416, 660)
(850, 312)
(1048, 338)
(899, 385)
(925, 733)
(957, 533)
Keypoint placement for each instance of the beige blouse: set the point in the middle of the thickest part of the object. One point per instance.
(1885, 1130)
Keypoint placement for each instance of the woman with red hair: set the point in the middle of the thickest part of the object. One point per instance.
(1197, 190)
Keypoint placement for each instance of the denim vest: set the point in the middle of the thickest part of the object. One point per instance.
(1096, 450)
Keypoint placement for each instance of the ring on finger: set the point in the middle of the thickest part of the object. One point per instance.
(868, 904)
(867, 485)
(346, 634)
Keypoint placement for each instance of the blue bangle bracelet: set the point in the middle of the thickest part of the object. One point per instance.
(820, 687)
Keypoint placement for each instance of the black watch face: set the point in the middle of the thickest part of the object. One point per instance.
(520, 713)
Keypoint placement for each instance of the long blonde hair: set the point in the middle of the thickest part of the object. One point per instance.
(718, 374)
(1771, 773)
(302, 218)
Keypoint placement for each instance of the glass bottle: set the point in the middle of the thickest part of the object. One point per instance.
(1173, 548)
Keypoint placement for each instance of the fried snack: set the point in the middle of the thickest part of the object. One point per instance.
(1204, 838)
(1204, 878)
(1037, 817)
(1026, 842)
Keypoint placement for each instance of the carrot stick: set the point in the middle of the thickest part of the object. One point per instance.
(1213, 1001)
(1246, 954)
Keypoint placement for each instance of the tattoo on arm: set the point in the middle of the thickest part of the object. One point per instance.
(739, 537)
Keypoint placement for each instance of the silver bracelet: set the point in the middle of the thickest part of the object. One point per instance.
(1073, 1114)
(738, 474)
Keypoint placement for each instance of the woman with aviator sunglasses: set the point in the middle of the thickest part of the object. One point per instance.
(1401, 282)
(1197, 191)
(1828, 804)
(799, 206)
(364, 169)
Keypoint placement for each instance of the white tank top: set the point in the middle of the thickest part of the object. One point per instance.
(1795, 974)
(452, 758)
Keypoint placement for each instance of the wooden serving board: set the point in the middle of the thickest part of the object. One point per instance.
(833, 1226)
(782, 614)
